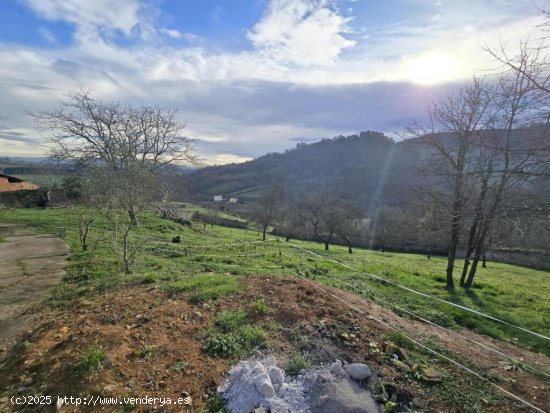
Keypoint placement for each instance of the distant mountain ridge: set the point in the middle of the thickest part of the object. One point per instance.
(370, 167)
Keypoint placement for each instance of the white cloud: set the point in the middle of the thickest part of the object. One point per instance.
(295, 81)
(173, 33)
(122, 15)
(47, 35)
(306, 32)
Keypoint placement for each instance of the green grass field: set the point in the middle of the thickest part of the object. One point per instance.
(518, 295)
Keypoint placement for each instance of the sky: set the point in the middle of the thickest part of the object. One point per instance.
(249, 76)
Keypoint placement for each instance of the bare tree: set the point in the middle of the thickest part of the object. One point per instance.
(531, 61)
(454, 127)
(321, 213)
(268, 207)
(122, 149)
(127, 140)
(288, 223)
(511, 154)
(348, 225)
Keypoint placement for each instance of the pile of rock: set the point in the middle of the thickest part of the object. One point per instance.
(261, 386)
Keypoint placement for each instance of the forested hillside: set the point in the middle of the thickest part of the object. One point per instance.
(369, 167)
(399, 188)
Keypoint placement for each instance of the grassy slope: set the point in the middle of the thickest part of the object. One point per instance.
(515, 294)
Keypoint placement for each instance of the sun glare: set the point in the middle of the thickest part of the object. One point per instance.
(432, 68)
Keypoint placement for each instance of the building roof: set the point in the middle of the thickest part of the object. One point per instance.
(11, 184)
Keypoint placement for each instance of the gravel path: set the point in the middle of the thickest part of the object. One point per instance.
(31, 266)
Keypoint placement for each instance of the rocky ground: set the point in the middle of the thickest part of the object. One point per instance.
(143, 340)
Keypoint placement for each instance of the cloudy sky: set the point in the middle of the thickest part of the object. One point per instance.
(249, 76)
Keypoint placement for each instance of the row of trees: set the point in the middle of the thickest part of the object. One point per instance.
(321, 215)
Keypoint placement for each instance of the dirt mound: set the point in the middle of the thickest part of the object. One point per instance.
(143, 341)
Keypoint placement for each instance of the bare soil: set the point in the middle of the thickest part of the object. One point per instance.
(31, 266)
(152, 345)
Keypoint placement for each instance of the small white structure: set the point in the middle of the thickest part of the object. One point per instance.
(218, 198)
(233, 200)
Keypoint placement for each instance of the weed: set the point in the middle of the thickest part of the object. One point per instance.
(252, 336)
(145, 352)
(216, 404)
(297, 362)
(399, 339)
(260, 306)
(89, 361)
(149, 279)
(271, 325)
(302, 342)
(218, 344)
(179, 366)
(229, 321)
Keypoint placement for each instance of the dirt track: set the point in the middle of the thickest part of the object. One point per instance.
(31, 266)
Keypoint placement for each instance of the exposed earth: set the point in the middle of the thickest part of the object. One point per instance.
(31, 266)
(151, 345)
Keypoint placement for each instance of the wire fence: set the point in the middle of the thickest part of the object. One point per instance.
(363, 287)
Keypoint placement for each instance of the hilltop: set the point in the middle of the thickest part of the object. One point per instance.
(370, 166)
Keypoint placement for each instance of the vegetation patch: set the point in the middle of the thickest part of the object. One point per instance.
(297, 362)
(90, 361)
(233, 335)
(206, 287)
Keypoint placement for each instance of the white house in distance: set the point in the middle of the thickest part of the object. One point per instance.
(218, 198)
(233, 200)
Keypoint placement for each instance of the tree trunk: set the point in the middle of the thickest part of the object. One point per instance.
(84, 231)
(474, 233)
(455, 233)
(450, 266)
(326, 245)
(287, 239)
(472, 274)
(264, 229)
(484, 265)
(350, 251)
(477, 256)
(453, 240)
(126, 253)
(133, 216)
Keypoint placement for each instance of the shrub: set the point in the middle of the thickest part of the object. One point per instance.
(222, 345)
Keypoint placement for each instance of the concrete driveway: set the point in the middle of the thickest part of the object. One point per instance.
(31, 266)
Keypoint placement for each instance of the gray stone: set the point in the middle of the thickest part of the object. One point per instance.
(235, 373)
(358, 371)
(403, 356)
(263, 385)
(277, 376)
(342, 396)
(258, 368)
(401, 366)
(336, 368)
(430, 374)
